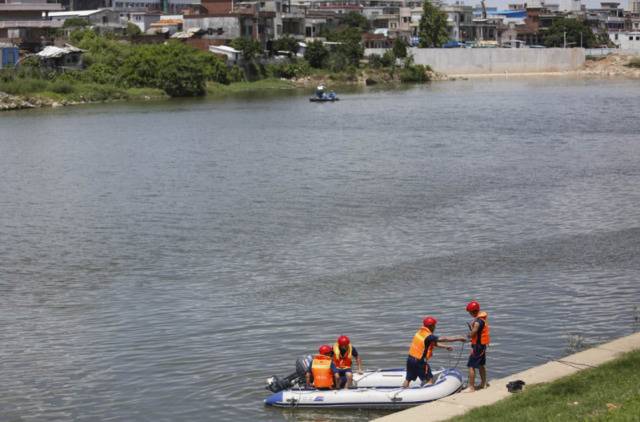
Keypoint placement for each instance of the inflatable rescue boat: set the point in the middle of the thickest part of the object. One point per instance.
(375, 389)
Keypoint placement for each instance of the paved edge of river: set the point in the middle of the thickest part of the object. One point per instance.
(458, 404)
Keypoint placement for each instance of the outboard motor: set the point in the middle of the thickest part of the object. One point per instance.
(303, 364)
(276, 384)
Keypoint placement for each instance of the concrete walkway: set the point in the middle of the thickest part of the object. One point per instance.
(459, 404)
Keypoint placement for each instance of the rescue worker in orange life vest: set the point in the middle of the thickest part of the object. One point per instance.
(421, 349)
(320, 369)
(480, 339)
(343, 354)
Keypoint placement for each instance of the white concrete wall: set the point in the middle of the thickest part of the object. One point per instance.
(468, 61)
(229, 24)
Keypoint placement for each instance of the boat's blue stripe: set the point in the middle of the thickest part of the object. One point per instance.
(355, 404)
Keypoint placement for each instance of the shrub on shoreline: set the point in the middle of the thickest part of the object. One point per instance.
(634, 62)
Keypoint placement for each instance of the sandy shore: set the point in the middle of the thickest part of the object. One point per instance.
(612, 66)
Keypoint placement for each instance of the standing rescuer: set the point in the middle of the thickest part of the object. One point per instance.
(320, 368)
(421, 350)
(343, 354)
(480, 339)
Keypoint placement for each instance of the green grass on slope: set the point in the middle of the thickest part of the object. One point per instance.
(610, 392)
(264, 85)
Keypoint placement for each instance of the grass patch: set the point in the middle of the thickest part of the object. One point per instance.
(610, 392)
(635, 62)
(24, 86)
(271, 84)
(63, 90)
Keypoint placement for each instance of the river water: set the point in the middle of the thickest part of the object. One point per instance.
(159, 261)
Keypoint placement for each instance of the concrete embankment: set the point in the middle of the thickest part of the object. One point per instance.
(470, 61)
(461, 403)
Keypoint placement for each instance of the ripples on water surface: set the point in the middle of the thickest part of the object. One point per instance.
(159, 261)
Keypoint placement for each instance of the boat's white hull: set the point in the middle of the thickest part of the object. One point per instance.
(448, 382)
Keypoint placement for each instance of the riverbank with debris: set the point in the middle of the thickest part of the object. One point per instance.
(611, 66)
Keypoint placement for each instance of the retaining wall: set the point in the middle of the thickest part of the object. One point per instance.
(468, 61)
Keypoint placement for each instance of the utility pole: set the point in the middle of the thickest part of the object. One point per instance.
(580, 39)
(564, 36)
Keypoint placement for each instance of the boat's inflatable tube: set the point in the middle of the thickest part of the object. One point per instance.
(323, 100)
(448, 382)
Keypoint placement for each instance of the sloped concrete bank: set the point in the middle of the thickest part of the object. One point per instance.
(461, 403)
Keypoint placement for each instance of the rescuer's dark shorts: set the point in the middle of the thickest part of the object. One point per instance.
(418, 369)
(478, 356)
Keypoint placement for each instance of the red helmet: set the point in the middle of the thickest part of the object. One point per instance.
(473, 306)
(429, 321)
(325, 349)
(343, 341)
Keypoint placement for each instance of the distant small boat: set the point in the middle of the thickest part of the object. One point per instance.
(324, 97)
(323, 100)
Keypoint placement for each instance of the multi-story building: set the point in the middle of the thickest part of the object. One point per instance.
(26, 23)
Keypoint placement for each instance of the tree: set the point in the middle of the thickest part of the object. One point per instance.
(316, 54)
(577, 34)
(350, 46)
(355, 20)
(286, 43)
(75, 22)
(250, 48)
(133, 29)
(400, 48)
(433, 26)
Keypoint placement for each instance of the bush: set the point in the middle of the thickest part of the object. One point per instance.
(295, 69)
(400, 48)
(100, 73)
(413, 73)
(61, 87)
(337, 62)
(350, 44)
(75, 22)
(375, 61)
(133, 29)
(388, 58)
(249, 47)
(635, 62)
(236, 74)
(286, 43)
(316, 54)
(24, 86)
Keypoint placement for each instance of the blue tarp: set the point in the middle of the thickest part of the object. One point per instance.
(9, 56)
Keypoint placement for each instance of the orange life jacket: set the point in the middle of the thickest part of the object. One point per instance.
(342, 362)
(321, 370)
(484, 334)
(417, 345)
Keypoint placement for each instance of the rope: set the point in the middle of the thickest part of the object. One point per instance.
(576, 365)
(459, 356)
(355, 384)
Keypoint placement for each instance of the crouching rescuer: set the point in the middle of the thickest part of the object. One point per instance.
(421, 350)
(320, 369)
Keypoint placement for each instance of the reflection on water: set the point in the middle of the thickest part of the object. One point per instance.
(160, 261)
